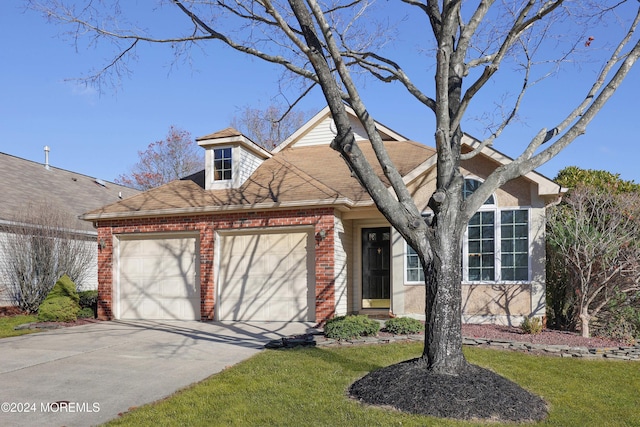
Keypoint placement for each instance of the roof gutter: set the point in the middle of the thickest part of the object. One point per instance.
(342, 203)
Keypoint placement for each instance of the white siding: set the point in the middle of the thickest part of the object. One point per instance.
(342, 245)
(322, 133)
(246, 164)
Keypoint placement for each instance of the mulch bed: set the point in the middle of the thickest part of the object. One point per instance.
(15, 311)
(476, 394)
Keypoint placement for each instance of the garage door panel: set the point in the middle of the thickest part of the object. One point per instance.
(158, 279)
(266, 277)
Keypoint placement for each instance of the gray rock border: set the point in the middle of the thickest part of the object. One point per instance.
(617, 353)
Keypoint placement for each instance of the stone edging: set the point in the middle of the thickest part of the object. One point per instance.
(620, 353)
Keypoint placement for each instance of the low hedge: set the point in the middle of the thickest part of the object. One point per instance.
(350, 327)
(403, 326)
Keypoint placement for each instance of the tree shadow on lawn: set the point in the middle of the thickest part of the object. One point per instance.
(477, 394)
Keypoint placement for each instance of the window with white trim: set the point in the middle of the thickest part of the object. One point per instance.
(514, 245)
(222, 164)
(413, 269)
(495, 246)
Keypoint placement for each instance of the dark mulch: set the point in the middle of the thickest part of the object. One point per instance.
(8, 311)
(477, 394)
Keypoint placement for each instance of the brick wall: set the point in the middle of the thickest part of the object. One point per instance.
(206, 226)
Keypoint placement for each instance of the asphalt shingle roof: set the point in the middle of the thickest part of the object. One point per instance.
(24, 183)
(304, 175)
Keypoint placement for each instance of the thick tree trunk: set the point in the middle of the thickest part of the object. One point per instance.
(443, 337)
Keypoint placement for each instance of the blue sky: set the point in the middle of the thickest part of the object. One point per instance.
(100, 134)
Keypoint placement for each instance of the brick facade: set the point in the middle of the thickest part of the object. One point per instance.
(206, 226)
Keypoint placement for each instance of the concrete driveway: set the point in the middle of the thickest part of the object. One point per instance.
(100, 370)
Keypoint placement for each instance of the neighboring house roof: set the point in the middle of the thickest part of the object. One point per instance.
(24, 182)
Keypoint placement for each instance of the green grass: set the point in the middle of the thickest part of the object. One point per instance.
(307, 387)
(8, 323)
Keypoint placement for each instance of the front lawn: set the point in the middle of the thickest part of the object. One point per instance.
(7, 323)
(308, 387)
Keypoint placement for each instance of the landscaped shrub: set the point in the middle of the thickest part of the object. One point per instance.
(531, 325)
(347, 327)
(88, 300)
(61, 304)
(620, 319)
(58, 310)
(403, 326)
(86, 313)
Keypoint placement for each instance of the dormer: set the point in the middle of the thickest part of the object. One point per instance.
(230, 158)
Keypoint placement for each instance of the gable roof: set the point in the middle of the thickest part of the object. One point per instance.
(324, 115)
(295, 177)
(24, 182)
(302, 171)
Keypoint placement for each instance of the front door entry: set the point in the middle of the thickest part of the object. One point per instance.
(376, 272)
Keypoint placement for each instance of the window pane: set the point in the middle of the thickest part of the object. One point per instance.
(222, 164)
(522, 216)
(474, 261)
(481, 247)
(522, 245)
(514, 245)
(414, 269)
(506, 245)
(521, 274)
(487, 274)
(521, 230)
(474, 274)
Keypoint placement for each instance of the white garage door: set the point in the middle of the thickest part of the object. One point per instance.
(158, 279)
(267, 277)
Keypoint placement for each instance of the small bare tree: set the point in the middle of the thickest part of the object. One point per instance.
(596, 235)
(270, 126)
(174, 157)
(37, 248)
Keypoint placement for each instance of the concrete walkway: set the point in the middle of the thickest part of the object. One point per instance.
(87, 375)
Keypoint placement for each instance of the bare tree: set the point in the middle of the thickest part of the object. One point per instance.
(331, 44)
(174, 157)
(38, 247)
(269, 126)
(596, 234)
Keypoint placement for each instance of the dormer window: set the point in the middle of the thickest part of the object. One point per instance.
(222, 164)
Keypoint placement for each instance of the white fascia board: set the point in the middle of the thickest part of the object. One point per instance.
(236, 140)
(310, 124)
(546, 186)
(323, 114)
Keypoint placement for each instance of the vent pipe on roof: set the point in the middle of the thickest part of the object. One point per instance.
(46, 157)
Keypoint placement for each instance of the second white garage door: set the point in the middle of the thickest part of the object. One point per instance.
(158, 279)
(267, 277)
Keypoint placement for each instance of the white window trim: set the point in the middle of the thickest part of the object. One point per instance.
(497, 238)
(213, 164)
(406, 276)
(497, 250)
